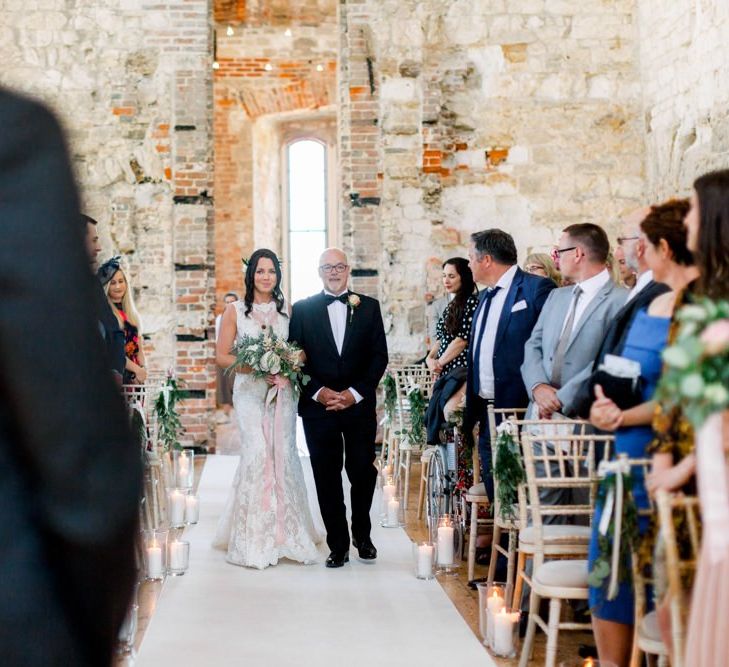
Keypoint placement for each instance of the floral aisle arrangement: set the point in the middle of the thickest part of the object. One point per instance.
(168, 419)
(696, 373)
(416, 403)
(390, 389)
(269, 355)
(508, 468)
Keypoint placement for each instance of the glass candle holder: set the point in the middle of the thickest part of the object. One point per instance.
(389, 491)
(176, 503)
(505, 632)
(184, 468)
(491, 599)
(178, 557)
(424, 560)
(449, 543)
(395, 515)
(155, 550)
(192, 508)
(128, 631)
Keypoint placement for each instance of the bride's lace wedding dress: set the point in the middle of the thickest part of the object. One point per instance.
(267, 515)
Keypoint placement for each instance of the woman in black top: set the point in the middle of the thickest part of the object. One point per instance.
(450, 350)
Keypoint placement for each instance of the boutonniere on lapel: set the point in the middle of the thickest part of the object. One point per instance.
(353, 301)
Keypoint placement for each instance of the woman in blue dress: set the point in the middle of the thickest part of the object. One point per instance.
(661, 247)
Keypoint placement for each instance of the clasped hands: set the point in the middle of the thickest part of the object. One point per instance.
(545, 396)
(335, 400)
(434, 365)
(604, 413)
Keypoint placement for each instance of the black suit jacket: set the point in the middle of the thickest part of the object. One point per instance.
(614, 340)
(69, 477)
(361, 364)
(514, 329)
(110, 331)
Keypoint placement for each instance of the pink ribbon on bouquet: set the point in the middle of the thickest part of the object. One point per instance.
(713, 491)
(273, 472)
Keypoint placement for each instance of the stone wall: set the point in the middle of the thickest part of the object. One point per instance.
(131, 82)
(461, 115)
(685, 80)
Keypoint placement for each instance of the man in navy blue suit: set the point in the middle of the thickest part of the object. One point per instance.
(506, 314)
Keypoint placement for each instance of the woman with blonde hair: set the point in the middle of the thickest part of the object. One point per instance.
(541, 264)
(121, 299)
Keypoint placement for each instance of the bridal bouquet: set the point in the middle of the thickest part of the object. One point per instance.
(267, 354)
(696, 375)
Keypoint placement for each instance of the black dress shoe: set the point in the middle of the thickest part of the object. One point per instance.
(365, 548)
(337, 558)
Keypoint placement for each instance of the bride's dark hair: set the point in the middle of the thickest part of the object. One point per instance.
(277, 294)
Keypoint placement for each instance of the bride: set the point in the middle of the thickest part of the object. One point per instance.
(267, 514)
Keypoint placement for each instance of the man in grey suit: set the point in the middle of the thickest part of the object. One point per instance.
(558, 355)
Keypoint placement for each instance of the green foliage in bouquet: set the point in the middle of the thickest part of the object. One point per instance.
(390, 389)
(416, 403)
(696, 373)
(267, 354)
(602, 566)
(508, 469)
(168, 419)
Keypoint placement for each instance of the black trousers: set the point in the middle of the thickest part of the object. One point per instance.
(335, 441)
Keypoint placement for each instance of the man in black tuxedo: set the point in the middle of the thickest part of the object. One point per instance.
(346, 355)
(507, 312)
(69, 476)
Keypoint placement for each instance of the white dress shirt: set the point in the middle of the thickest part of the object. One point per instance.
(486, 361)
(643, 279)
(338, 320)
(590, 288)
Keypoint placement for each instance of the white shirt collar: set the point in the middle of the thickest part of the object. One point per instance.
(643, 279)
(591, 286)
(344, 291)
(505, 281)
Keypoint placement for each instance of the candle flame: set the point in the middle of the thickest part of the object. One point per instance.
(588, 663)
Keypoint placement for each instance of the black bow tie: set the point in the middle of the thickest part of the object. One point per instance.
(342, 298)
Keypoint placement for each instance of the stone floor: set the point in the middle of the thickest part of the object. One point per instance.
(456, 587)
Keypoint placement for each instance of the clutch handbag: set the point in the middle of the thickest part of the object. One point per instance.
(621, 381)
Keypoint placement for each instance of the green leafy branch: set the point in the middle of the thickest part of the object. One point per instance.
(508, 470)
(390, 388)
(168, 419)
(416, 402)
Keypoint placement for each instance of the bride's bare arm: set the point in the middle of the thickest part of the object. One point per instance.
(228, 330)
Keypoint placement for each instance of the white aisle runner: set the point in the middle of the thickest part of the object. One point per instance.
(361, 615)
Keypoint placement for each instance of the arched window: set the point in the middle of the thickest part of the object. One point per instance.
(307, 229)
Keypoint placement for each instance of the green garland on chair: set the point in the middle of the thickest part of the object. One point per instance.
(508, 469)
(168, 419)
(416, 402)
(390, 389)
(629, 537)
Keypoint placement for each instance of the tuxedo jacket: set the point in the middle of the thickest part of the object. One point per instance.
(364, 353)
(614, 340)
(70, 476)
(524, 302)
(582, 347)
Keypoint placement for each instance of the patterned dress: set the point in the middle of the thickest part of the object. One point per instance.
(131, 344)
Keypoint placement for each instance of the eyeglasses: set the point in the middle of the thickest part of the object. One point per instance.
(557, 252)
(333, 268)
(623, 239)
(531, 268)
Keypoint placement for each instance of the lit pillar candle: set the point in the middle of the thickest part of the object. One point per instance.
(177, 507)
(393, 512)
(154, 561)
(425, 560)
(388, 493)
(494, 604)
(445, 545)
(504, 632)
(183, 466)
(192, 509)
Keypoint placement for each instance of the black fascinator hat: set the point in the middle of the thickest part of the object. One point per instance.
(108, 269)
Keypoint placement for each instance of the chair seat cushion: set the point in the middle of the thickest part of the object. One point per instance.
(477, 490)
(562, 574)
(556, 533)
(649, 627)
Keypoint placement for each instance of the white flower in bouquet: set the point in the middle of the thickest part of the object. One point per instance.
(716, 393)
(270, 362)
(507, 427)
(692, 386)
(692, 312)
(676, 356)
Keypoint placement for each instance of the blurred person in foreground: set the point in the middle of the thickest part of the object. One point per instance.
(69, 478)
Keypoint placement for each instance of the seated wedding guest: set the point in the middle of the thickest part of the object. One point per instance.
(224, 381)
(632, 248)
(628, 277)
(541, 264)
(120, 297)
(108, 326)
(69, 477)
(707, 643)
(448, 356)
(629, 413)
